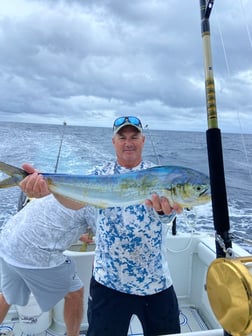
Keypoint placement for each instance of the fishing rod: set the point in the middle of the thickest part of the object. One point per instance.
(60, 146)
(23, 199)
(214, 145)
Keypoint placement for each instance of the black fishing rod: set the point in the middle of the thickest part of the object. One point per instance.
(214, 145)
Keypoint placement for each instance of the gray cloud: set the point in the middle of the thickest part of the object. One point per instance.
(87, 62)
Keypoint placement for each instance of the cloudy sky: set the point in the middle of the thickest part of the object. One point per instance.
(88, 61)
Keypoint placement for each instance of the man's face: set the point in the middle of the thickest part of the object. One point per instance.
(128, 143)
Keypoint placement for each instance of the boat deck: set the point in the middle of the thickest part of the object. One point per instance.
(190, 321)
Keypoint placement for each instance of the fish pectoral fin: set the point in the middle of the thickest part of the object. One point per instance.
(9, 182)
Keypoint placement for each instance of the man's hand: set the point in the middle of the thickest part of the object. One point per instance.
(162, 205)
(34, 186)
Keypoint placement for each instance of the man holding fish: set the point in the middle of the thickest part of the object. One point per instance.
(131, 273)
(128, 270)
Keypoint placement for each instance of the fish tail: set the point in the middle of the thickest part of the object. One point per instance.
(16, 175)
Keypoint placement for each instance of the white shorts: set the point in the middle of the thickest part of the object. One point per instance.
(48, 285)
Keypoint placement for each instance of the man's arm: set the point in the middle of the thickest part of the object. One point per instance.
(35, 186)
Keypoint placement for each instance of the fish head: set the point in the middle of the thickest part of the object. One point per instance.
(190, 188)
(191, 194)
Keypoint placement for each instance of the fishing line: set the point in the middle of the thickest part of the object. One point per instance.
(190, 216)
(229, 74)
(187, 247)
(246, 23)
(152, 144)
(173, 222)
(223, 47)
(245, 240)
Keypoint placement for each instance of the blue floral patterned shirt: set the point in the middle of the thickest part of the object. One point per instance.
(130, 251)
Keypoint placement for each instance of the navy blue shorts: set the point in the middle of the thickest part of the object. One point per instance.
(110, 312)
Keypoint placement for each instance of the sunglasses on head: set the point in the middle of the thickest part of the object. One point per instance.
(134, 121)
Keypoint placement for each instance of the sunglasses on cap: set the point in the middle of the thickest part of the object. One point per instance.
(124, 121)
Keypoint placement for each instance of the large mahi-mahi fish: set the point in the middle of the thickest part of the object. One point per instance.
(185, 186)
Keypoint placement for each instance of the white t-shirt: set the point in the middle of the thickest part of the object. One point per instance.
(36, 236)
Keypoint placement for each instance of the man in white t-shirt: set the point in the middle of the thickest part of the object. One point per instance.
(32, 243)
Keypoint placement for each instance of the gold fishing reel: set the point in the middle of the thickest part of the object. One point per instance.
(229, 289)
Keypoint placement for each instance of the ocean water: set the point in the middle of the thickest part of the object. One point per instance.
(84, 147)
